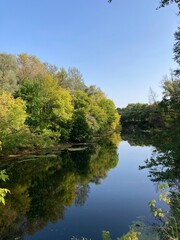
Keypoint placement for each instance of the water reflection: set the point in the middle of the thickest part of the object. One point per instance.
(164, 164)
(163, 167)
(43, 187)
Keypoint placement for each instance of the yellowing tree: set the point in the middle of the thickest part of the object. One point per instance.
(12, 113)
(48, 105)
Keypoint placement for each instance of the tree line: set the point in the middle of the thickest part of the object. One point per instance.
(160, 115)
(41, 105)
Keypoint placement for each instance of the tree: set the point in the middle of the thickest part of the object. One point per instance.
(164, 3)
(177, 51)
(51, 69)
(109, 108)
(30, 67)
(8, 72)
(12, 114)
(171, 101)
(75, 80)
(12, 127)
(48, 105)
(62, 77)
(94, 91)
(72, 79)
(81, 132)
(81, 100)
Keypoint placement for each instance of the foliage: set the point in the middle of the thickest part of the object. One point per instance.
(158, 115)
(98, 111)
(164, 3)
(3, 191)
(170, 229)
(135, 114)
(12, 113)
(81, 100)
(80, 131)
(131, 235)
(13, 116)
(72, 79)
(30, 67)
(75, 80)
(49, 105)
(177, 47)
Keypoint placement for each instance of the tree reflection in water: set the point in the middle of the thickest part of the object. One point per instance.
(163, 167)
(44, 186)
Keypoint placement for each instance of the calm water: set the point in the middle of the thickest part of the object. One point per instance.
(77, 193)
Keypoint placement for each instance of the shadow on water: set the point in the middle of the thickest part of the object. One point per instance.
(43, 187)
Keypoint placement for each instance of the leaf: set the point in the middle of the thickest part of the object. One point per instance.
(163, 186)
(152, 203)
(167, 200)
(3, 175)
(161, 214)
(155, 213)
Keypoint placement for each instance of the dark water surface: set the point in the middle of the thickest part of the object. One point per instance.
(77, 193)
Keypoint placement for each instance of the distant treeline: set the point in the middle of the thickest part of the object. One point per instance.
(41, 105)
(157, 115)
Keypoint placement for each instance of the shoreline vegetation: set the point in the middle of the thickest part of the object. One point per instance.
(42, 106)
(69, 146)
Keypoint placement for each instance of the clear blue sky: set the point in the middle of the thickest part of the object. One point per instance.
(124, 47)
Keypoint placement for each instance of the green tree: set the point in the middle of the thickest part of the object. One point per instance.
(75, 80)
(135, 115)
(102, 115)
(94, 91)
(72, 79)
(48, 105)
(80, 132)
(62, 77)
(171, 101)
(81, 100)
(109, 108)
(177, 51)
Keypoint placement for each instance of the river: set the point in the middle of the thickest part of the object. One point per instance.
(77, 193)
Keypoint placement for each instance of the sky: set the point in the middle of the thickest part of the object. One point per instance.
(125, 47)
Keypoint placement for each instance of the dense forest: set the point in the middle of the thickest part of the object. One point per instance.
(41, 106)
